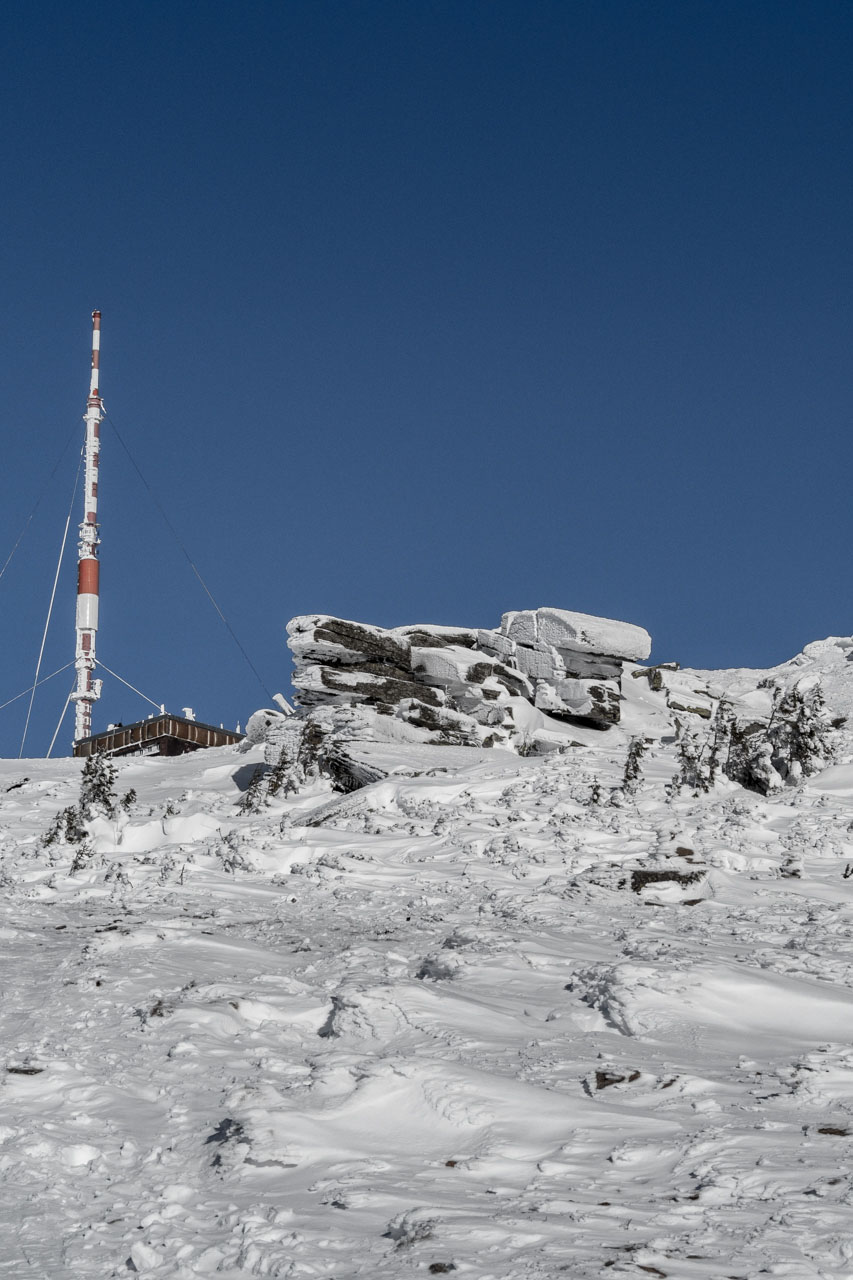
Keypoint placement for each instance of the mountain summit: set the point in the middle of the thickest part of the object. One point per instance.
(464, 968)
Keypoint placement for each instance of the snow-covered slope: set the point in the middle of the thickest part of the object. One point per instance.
(465, 1019)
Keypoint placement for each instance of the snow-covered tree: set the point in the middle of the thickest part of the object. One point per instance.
(692, 749)
(800, 730)
(795, 743)
(749, 758)
(97, 787)
(633, 772)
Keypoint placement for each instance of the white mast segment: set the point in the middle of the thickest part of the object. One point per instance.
(88, 690)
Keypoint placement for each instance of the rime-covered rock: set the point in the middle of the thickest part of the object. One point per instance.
(540, 662)
(455, 686)
(593, 700)
(428, 636)
(338, 642)
(317, 685)
(496, 643)
(456, 670)
(589, 666)
(578, 632)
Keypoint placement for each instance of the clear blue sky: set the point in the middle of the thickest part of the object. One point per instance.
(422, 312)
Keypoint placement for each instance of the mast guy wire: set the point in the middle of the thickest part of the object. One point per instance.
(38, 501)
(49, 612)
(61, 718)
(43, 680)
(116, 676)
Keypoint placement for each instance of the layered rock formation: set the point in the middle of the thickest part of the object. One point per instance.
(459, 684)
(359, 685)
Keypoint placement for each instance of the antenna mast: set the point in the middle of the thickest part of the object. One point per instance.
(88, 690)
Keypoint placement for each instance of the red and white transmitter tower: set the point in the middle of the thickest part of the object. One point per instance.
(88, 689)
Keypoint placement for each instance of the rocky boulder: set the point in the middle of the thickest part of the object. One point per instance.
(458, 685)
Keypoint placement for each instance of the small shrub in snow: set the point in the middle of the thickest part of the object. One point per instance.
(280, 777)
(438, 968)
(633, 773)
(117, 877)
(253, 798)
(97, 787)
(749, 758)
(232, 857)
(302, 757)
(692, 755)
(721, 732)
(97, 795)
(82, 858)
(66, 826)
(410, 1228)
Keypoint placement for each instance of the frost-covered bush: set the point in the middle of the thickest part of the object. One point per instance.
(97, 787)
(279, 779)
(693, 762)
(720, 737)
(411, 1227)
(254, 797)
(97, 795)
(66, 826)
(800, 731)
(795, 743)
(632, 773)
(749, 758)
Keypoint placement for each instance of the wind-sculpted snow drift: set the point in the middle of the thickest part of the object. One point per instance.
(373, 999)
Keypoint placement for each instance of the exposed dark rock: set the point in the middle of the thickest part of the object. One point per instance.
(450, 728)
(603, 1079)
(347, 772)
(364, 640)
(704, 712)
(639, 879)
(583, 666)
(372, 688)
(514, 683)
(438, 637)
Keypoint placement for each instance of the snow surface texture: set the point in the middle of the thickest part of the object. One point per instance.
(491, 1014)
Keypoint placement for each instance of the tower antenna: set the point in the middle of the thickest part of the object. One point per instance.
(88, 690)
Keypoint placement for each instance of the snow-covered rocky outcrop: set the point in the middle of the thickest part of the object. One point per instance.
(545, 674)
(458, 683)
(548, 680)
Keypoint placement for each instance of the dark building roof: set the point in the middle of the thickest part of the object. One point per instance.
(163, 735)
